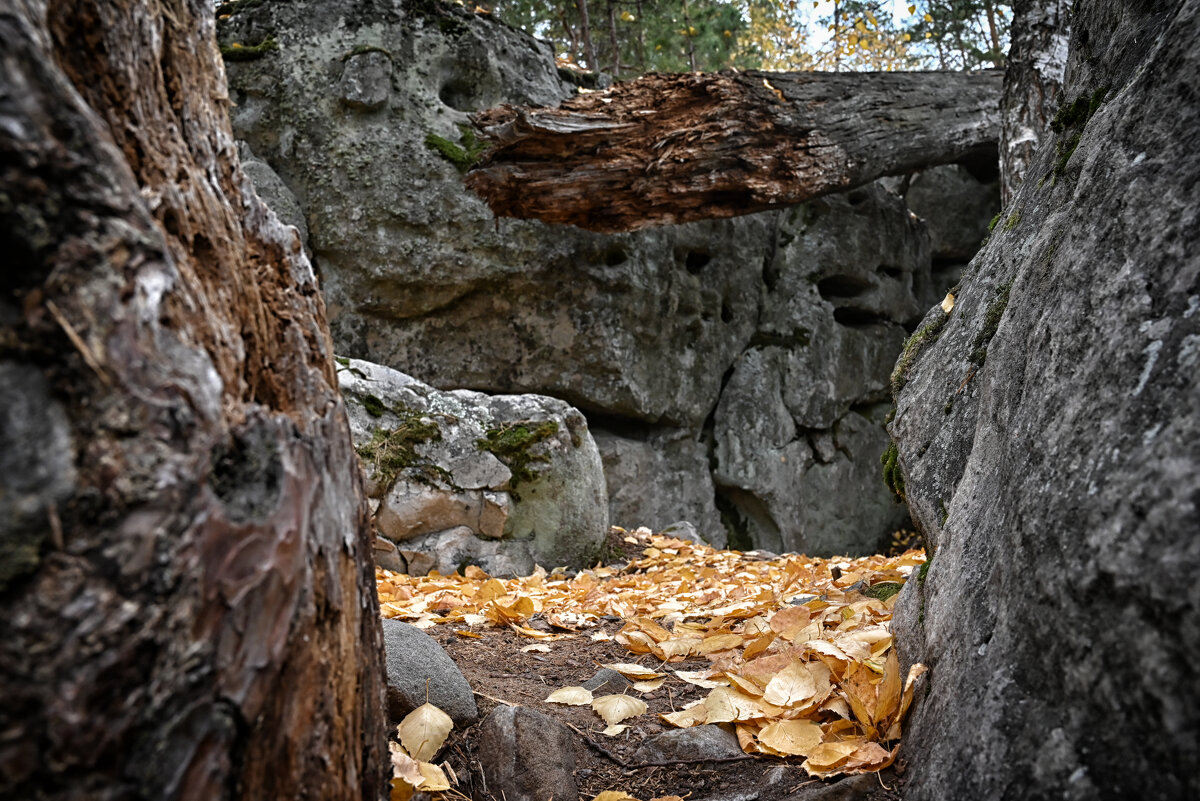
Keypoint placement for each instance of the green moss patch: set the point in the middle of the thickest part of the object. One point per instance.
(513, 443)
(991, 322)
(463, 155)
(394, 450)
(1068, 125)
(925, 335)
(883, 590)
(892, 476)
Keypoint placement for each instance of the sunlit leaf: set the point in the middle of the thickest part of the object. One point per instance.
(791, 737)
(571, 696)
(616, 708)
(423, 731)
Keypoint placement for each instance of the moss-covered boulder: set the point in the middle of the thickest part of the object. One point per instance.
(458, 478)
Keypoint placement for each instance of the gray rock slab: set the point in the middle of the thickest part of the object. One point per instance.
(416, 661)
(527, 756)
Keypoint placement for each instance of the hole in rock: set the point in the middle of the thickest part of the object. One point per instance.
(696, 261)
(853, 317)
(842, 286)
(616, 256)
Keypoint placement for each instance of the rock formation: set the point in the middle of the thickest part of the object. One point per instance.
(659, 336)
(1049, 439)
(188, 609)
(499, 481)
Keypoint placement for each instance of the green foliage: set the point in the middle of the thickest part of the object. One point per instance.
(512, 444)
(464, 156)
(1012, 221)
(633, 37)
(241, 52)
(996, 219)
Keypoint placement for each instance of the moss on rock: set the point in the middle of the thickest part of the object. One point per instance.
(991, 322)
(394, 450)
(464, 156)
(241, 52)
(892, 476)
(925, 335)
(512, 444)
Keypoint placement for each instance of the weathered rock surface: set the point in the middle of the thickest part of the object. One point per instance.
(419, 670)
(1049, 438)
(527, 756)
(639, 331)
(499, 481)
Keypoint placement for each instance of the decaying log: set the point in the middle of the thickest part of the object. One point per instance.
(674, 148)
(187, 601)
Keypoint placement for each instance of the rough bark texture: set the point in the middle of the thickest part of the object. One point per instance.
(1049, 437)
(676, 148)
(186, 601)
(1033, 81)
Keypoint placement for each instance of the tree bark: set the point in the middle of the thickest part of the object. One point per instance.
(1037, 63)
(187, 604)
(674, 148)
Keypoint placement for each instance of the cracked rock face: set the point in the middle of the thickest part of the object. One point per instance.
(504, 482)
(674, 341)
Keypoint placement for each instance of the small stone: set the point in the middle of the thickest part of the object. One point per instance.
(416, 661)
(527, 756)
(607, 681)
(700, 742)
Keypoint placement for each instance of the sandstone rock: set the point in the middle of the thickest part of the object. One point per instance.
(527, 756)
(415, 661)
(520, 474)
(1049, 438)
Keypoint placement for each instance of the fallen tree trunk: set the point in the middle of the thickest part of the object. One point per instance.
(187, 601)
(674, 148)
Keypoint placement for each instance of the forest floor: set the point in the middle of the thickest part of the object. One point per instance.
(792, 655)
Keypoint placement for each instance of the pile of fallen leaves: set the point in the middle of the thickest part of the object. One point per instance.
(801, 656)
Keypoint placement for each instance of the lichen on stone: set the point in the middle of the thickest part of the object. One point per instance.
(1068, 125)
(363, 49)
(512, 444)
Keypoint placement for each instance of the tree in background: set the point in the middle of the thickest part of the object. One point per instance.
(627, 38)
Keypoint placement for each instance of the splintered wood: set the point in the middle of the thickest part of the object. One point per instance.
(800, 651)
(674, 148)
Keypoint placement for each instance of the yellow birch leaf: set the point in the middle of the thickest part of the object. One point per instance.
(948, 303)
(791, 621)
(490, 591)
(616, 708)
(791, 686)
(912, 9)
(745, 685)
(649, 686)
(571, 696)
(539, 647)
(423, 731)
(401, 790)
(435, 779)
(727, 705)
(693, 715)
(613, 731)
(719, 642)
(889, 689)
(759, 646)
(614, 795)
(928, 18)
(791, 737)
(406, 769)
(828, 757)
(677, 648)
(633, 672)
(700, 678)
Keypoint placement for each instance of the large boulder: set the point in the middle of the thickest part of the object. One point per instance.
(362, 111)
(1048, 435)
(504, 482)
